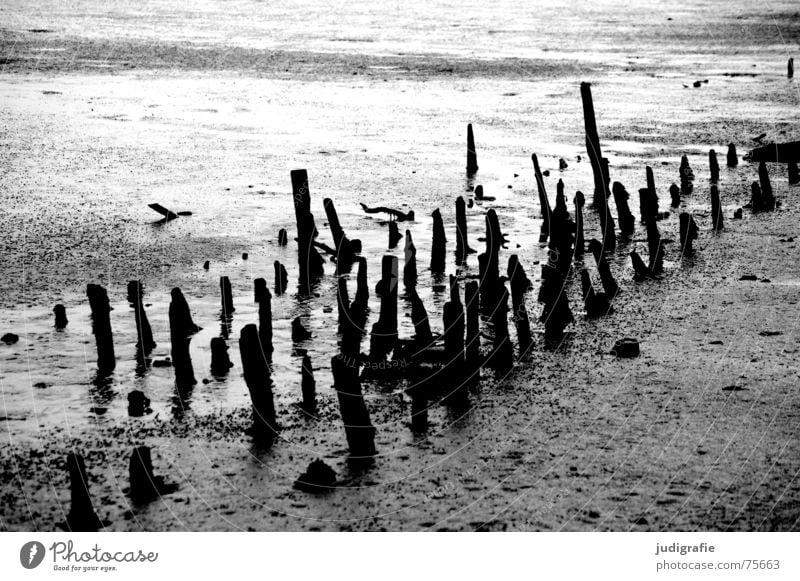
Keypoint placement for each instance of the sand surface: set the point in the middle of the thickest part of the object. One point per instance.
(209, 108)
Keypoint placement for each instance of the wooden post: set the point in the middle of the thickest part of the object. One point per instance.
(283, 237)
(462, 235)
(308, 385)
(281, 278)
(790, 68)
(652, 194)
(311, 263)
(346, 249)
(257, 372)
(767, 197)
(733, 160)
(144, 333)
(394, 234)
(423, 338)
(609, 284)
(675, 195)
(626, 219)
(453, 318)
(794, 172)
(580, 244)
(438, 249)
(265, 322)
(544, 203)
(489, 263)
(755, 197)
(61, 316)
(520, 283)
(655, 247)
(410, 266)
(384, 331)
(180, 330)
(686, 175)
(716, 209)
(145, 485)
(688, 233)
(713, 165)
(81, 517)
(596, 304)
(220, 362)
(473, 341)
(227, 295)
(101, 327)
(472, 156)
(599, 170)
(259, 285)
(342, 300)
(502, 356)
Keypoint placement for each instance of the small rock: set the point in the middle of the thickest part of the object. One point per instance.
(244, 255)
(206, 264)
(9, 338)
(737, 215)
(748, 277)
(641, 521)
(765, 280)
(696, 84)
(562, 164)
(546, 173)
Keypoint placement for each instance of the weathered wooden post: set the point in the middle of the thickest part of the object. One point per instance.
(220, 362)
(394, 234)
(283, 237)
(342, 300)
(502, 355)
(410, 266)
(596, 304)
(716, 209)
(438, 249)
(755, 197)
(227, 295)
(145, 485)
(265, 321)
(259, 285)
(686, 175)
(473, 339)
(767, 197)
(101, 327)
(520, 283)
(310, 261)
(281, 278)
(453, 318)
(308, 385)
(81, 517)
(61, 316)
(472, 156)
(462, 235)
(423, 338)
(580, 244)
(181, 328)
(544, 203)
(599, 169)
(144, 333)
(489, 263)
(655, 247)
(346, 249)
(688, 233)
(609, 284)
(675, 194)
(713, 166)
(384, 331)
(257, 372)
(790, 68)
(625, 218)
(733, 160)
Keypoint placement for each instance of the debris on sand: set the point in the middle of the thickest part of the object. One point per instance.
(168, 214)
(318, 478)
(626, 347)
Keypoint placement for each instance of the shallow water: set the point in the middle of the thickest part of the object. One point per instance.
(208, 107)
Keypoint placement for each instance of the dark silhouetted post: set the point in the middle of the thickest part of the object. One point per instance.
(716, 208)
(308, 385)
(713, 165)
(61, 316)
(257, 372)
(101, 327)
(767, 197)
(520, 283)
(790, 68)
(794, 172)
(438, 249)
(544, 203)
(599, 169)
(733, 160)
(688, 233)
(220, 361)
(227, 295)
(145, 485)
(502, 356)
(394, 234)
(472, 156)
(453, 318)
(281, 278)
(675, 195)
(609, 284)
(181, 328)
(81, 517)
(311, 263)
(384, 331)
(346, 249)
(473, 340)
(144, 334)
(462, 236)
(410, 266)
(626, 220)
(655, 247)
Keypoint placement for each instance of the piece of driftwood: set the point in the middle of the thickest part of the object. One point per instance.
(168, 214)
(776, 152)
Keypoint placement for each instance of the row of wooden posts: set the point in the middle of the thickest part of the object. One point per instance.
(437, 368)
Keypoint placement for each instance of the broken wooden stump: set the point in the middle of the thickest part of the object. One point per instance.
(472, 156)
(625, 218)
(519, 283)
(423, 337)
(264, 299)
(283, 237)
(713, 165)
(394, 234)
(688, 233)
(655, 247)
(60, 313)
(310, 261)
(438, 249)
(359, 431)
(544, 203)
(181, 328)
(790, 68)
(604, 270)
(755, 197)
(462, 235)
(81, 517)
(144, 333)
(794, 173)
(686, 176)
(410, 265)
(596, 304)
(675, 195)
(580, 244)
(259, 285)
(599, 168)
(384, 332)
(641, 270)
(226, 294)
(767, 197)
(138, 404)
(281, 278)
(501, 358)
(220, 362)
(716, 209)
(732, 160)
(346, 249)
(101, 327)
(145, 485)
(318, 478)
(308, 385)
(454, 325)
(257, 375)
